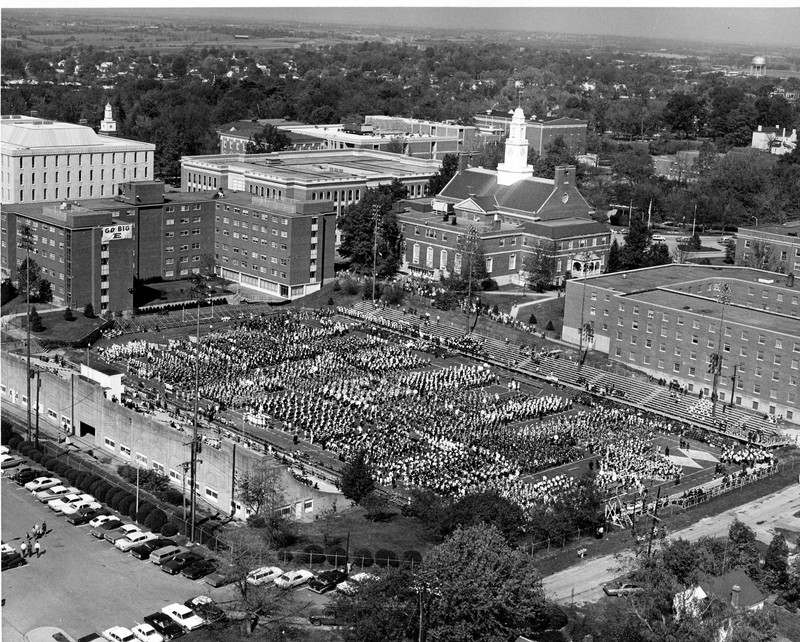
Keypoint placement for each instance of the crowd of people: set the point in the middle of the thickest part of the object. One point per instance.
(454, 429)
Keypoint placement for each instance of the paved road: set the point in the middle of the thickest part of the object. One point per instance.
(763, 515)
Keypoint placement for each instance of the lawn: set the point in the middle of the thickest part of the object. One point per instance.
(57, 330)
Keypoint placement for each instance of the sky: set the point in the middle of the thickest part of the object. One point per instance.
(776, 22)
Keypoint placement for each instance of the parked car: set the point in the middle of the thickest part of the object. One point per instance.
(57, 504)
(142, 551)
(165, 554)
(134, 539)
(146, 633)
(205, 607)
(351, 585)
(85, 515)
(180, 562)
(9, 461)
(105, 526)
(164, 624)
(122, 531)
(102, 519)
(184, 616)
(622, 589)
(24, 475)
(74, 507)
(221, 578)
(42, 483)
(5, 450)
(44, 495)
(659, 238)
(293, 579)
(263, 575)
(118, 634)
(327, 580)
(199, 569)
(12, 560)
(327, 618)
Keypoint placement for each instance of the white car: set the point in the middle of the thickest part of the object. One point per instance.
(99, 520)
(41, 483)
(74, 507)
(4, 450)
(147, 633)
(51, 492)
(352, 583)
(659, 238)
(118, 634)
(263, 575)
(134, 539)
(184, 616)
(293, 578)
(57, 503)
(9, 461)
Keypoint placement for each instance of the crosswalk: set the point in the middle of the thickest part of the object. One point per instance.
(638, 393)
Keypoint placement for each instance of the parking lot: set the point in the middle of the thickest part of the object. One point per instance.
(79, 584)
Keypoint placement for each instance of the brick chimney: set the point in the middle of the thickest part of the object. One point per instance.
(735, 596)
(463, 161)
(496, 222)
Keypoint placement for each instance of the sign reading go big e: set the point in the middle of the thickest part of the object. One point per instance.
(117, 232)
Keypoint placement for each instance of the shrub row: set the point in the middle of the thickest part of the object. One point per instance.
(360, 558)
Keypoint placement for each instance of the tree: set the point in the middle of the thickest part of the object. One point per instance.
(88, 311)
(555, 153)
(262, 492)
(484, 508)
(35, 321)
(45, 291)
(684, 114)
(269, 139)
(476, 586)
(761, 256)
(742, 550)
(357, 480)
(29, 276)
(540, 266)
(613, 264)
(68, 315)
(730, 252)
(449, 167)
(634, 166)
(776, 562)
(358, 233)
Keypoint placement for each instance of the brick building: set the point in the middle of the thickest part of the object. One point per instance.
(92, 251)
(770, 247)
(540, 132)
(669, 320)
(44, 161)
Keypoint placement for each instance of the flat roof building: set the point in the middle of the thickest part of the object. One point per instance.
(673, 321)
(45, 160)
(540, 132)
(770, 247)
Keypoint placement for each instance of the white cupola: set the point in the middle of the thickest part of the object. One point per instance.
(108, 125)
(516, 166)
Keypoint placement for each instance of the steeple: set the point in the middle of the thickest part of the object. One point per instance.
(108, 126)
(516, 166)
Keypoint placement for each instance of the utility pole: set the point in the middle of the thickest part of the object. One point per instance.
(375, 215)
(733, 384)
(26, 243)
(199, 290)
(715, 365)
(655, 520)
(469, 248)
(38, 388)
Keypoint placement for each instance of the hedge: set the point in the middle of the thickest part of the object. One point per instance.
(314, 554)
(155, 520)
(337, 556)
(6, 432)
(362, 558)
(145, 508)
(385, 557)
(14, 442)
(37, 456)
(114, 498)
(415, 557)
(171, 496)
(72, 475)
(169, 529)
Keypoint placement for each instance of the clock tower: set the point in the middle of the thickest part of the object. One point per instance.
(516, 166)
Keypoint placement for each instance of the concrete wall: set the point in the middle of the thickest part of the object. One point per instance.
(126, 436)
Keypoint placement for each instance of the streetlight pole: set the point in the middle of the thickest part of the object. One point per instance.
(471, 240)
(375, 214)
(724, 298)
(733, 384)
(26, 243)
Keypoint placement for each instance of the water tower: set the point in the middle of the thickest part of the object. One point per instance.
(758, 67)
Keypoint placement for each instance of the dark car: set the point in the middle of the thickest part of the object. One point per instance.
(143, 551)
(327, 580)
(199, 569)
(205, 607)
(25, 475)
(327, 618)
(221, 578)
(12, 560)
(180, 562)
(85, 515)
(165, 625)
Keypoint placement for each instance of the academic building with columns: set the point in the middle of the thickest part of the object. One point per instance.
(513, 212)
